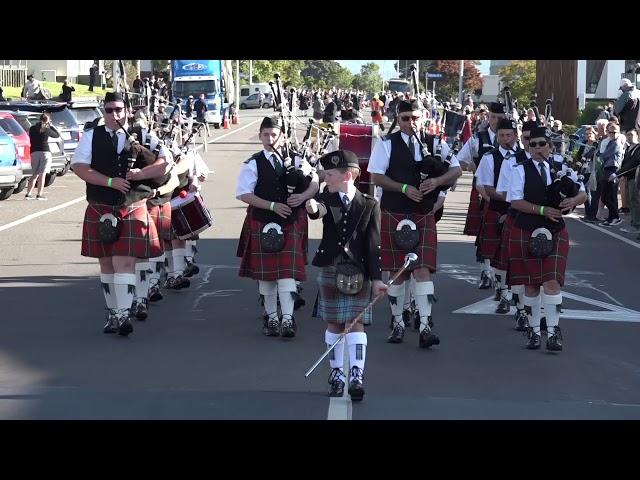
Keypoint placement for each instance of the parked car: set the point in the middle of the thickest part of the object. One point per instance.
(85, 111)
(61, 118)
(10, 166)
(252, 101)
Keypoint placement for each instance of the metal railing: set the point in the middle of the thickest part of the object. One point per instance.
(12, 76)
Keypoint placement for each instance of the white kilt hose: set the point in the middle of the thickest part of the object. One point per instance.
(337, 307)
(138, 234)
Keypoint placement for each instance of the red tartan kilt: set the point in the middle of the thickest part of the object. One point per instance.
(474, 214)
(526, 270)
(489, 237)
(288, 263)
(501, 258)
(244, 235)
(138, 235)
(161, 215)
(392, 258)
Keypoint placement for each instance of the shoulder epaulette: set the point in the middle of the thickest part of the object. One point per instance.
(252, 157)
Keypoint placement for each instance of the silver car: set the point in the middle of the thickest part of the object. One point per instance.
(252, 101)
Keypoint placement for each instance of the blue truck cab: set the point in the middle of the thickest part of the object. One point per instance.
(195, 77)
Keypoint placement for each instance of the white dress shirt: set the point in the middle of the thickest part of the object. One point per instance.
(470, 149)
(484, 174)
(516, 185)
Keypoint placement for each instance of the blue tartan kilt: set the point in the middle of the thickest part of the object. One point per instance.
(334, 306)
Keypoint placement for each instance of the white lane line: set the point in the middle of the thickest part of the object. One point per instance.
(608, 232)
(39, 214)
(237, 130)
(79, 199)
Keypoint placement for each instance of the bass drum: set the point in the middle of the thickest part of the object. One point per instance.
(360, 139)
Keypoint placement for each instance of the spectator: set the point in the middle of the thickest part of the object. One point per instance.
(330, 110)
(627, 171)
(31, 88)
(376, 112)
(65, 96)
(318, 107)
(260, 97)
(138, 85)
(200, 107)
(2, 99)
(93, 71)
(40, 154)
(627, 106)
(611, 160)
(304, 103)
(586, 155)
(188, 112)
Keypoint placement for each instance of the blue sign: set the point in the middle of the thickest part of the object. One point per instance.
(434, 75)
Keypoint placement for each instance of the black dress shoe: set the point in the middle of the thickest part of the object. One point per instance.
(288, 327)
(534, 339)
(485, 281)
(427, 339)
(554, 341)
(141, 311)
(504, 306)
(112, 323)
(336, 383)
(397, 334)
(271, 327)
(190, 270)
(522, 321)
(124, 325)
(299, 302)
(356, 389)
(498, 296)
(155, 294)
(177, 283)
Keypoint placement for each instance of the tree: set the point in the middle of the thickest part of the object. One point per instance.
(447, 86)
(289, 71)
(520, 76)
(369, 78)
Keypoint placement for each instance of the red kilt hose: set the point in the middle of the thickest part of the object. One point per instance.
(501, 258)
(526, 270)
(138, 235)
(392, 257)
(489, 237)
(288, 263)
(474, 213)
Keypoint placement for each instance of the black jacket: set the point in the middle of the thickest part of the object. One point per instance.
(39, 140)
(630, 162)
(363, 217)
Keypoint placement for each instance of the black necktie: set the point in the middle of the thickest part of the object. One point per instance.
(278, 166)
(495, 141)
(114, 141)
(412, 148)
(543, 174)
(346, 202)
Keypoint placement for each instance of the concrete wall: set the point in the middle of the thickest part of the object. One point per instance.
(490, 88)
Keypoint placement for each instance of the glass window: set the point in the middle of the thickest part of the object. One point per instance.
(244, 92)
(11, 126)
(594, 72)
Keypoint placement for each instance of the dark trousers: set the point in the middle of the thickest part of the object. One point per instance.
(609, 197)
(591, 205)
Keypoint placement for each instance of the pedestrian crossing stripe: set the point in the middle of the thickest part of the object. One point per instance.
(611, 313)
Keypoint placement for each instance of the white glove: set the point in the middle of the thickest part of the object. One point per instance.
(311, 206)
(613, 178)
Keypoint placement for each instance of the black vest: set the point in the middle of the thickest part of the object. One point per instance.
(105, 159)
(497, 205)
(403, 169)
(484, 145)
(269, 187)
(535, 192)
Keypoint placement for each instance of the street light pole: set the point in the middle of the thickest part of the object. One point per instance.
(460, 81)
(250, 72)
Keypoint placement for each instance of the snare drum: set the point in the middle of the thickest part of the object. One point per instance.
(360, 138)
(189, 216)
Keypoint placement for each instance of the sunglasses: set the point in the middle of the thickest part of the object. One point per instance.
(612, 131)
(116, 109)
(408, 119)
(542, 143)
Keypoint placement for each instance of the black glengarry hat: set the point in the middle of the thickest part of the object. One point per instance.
(269, 122)
(339, 159)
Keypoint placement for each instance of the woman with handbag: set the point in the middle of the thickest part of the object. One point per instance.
(539, 241)
(349, 255)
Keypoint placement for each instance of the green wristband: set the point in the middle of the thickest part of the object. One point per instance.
(404, 188)
(273, 204)
(109, 182)
(542, 210)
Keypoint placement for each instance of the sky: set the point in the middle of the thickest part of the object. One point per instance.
(386, 66)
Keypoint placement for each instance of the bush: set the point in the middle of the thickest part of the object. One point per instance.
(591, 111)
(569, 129)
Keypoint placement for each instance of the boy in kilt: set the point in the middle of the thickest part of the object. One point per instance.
(487, 176)
(350, 233)
(273, 214)
(502, 257)
(117, 227)
(395, 166)
(470, 155)
(528, 193)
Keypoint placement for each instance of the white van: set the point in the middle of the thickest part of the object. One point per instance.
(246, 90)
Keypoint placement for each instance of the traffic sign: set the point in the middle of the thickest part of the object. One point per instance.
(434, 75)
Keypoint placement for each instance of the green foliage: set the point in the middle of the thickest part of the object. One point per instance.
(590, 112)
(520, 76)
(447, 86)
(369, 78)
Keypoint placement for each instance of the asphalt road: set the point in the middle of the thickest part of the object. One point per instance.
(201, 353)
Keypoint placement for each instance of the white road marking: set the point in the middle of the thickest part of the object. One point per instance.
(608, 232)
(612, 313)
(241, 128)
